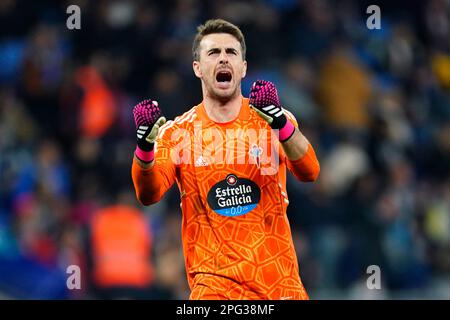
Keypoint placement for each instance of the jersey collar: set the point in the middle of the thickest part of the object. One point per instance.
(244, 113)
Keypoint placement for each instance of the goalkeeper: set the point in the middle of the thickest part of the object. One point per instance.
(236, 237)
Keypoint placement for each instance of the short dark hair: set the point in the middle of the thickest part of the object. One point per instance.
(216, 26)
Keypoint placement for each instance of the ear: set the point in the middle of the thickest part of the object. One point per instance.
(244, 69)
(197, 70)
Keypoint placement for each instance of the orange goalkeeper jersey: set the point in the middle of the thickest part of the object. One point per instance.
(236, 236)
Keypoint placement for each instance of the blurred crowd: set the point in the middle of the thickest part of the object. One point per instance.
(374, 103)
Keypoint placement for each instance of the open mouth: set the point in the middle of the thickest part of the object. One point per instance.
(223, 76)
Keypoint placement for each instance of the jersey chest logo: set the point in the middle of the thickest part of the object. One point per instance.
(234, 196)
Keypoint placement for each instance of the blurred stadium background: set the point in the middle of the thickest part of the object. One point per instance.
(374, 103)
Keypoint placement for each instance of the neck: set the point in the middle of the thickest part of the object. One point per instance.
(222, 111)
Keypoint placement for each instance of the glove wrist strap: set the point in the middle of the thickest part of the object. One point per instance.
(287, 131)
(145, 156)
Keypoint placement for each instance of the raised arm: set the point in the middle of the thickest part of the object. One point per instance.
(153, 173)
(301, 158)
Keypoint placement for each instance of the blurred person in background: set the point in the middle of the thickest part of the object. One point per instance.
(120, 263)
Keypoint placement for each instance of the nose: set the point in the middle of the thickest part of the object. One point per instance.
(223, 59)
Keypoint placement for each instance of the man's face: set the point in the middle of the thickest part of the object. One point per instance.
(221, 66)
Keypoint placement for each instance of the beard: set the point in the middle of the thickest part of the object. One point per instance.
(223, 95)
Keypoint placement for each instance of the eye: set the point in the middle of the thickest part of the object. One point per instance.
(213, 51)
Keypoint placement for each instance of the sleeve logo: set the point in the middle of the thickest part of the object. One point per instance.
(234, 196)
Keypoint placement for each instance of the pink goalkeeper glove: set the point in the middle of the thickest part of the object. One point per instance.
(264, 100)
(148, 118)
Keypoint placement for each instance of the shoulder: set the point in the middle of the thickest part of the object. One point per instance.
(180, 122)
(187, 117)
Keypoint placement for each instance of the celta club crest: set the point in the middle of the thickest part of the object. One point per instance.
(256, 152)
